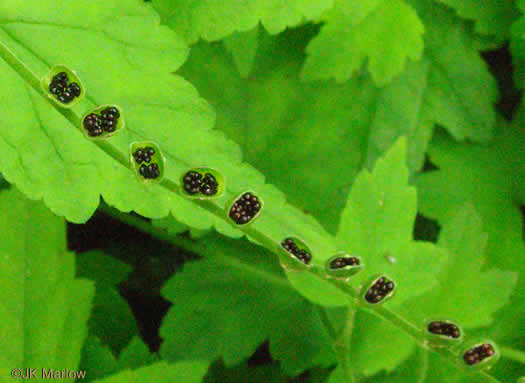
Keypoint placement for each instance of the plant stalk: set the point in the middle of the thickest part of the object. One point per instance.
(25, 73)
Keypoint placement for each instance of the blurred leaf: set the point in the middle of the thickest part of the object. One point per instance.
(44, 307)
(233, 300)
(111, 320)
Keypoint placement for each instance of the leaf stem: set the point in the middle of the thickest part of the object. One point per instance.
(25, 73)
(512, 354)
(344, 352)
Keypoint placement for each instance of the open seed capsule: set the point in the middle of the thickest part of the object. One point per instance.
(443, 332)
(294, 254)
(343, 266)
(202, 183)
(480, 355)
(245, 208)
(63, 86)
(103, 121)
(379, 291)
(147, 160)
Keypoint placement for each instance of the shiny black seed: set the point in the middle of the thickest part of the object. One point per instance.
(150, 171)
(444, 328)
(379, 290)
(74, 88)
(209, 185)
(92, 122)
(301, 254)
(110, 113)
(139, 156)
(62, 76)
(241, 212)
(340, 262)
(192, 181)
(56, 89)
(479, 353)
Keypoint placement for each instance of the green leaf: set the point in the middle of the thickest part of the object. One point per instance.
(111, 319)
(362, 121)
(517, 45)
(243, 48)
(218, 303)
(377, 226)
(370, 353)
(493, 17)
(99, 361)
(412, 370)
(386, 32)
(70, 173)
(282, 110)
(213, 20)
(244, 373)
(181, 372)
(471, 291)
(44, 308)
(462, 169)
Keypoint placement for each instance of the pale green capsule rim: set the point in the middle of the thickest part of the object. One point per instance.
(443, 340)
(230, 203)
(120, 124)
(72, 77)
(486, 363)
(221, 180)
(157, 158)
(371, 282)
(343, 272)
(292, 263)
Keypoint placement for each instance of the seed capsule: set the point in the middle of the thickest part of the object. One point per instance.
(444, 328)
(478, 354)
(103, 119)
(63, 86)
(343, 266)
(379, 290)
(245, 209)
(301, 254)
(148, 168)
(192, 182)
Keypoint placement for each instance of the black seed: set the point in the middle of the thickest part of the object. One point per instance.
(444, 328)
(379, 290)
(247, 211)
(74, 88)
(340, 262)
(209, 185)
(479, 353)
(92, 123)
(60, 77)
(192, 181)
(110, 113)
(301, 254)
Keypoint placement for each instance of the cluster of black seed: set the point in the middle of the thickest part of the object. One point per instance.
(340, 262)
(477, 354)
(301, 254)
(107, 121)
(195, 183)
(379, 290)
(245, 208)
(142, 155)
(444, 328)
(62, 89)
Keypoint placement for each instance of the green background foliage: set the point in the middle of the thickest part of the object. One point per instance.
(368, 128)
